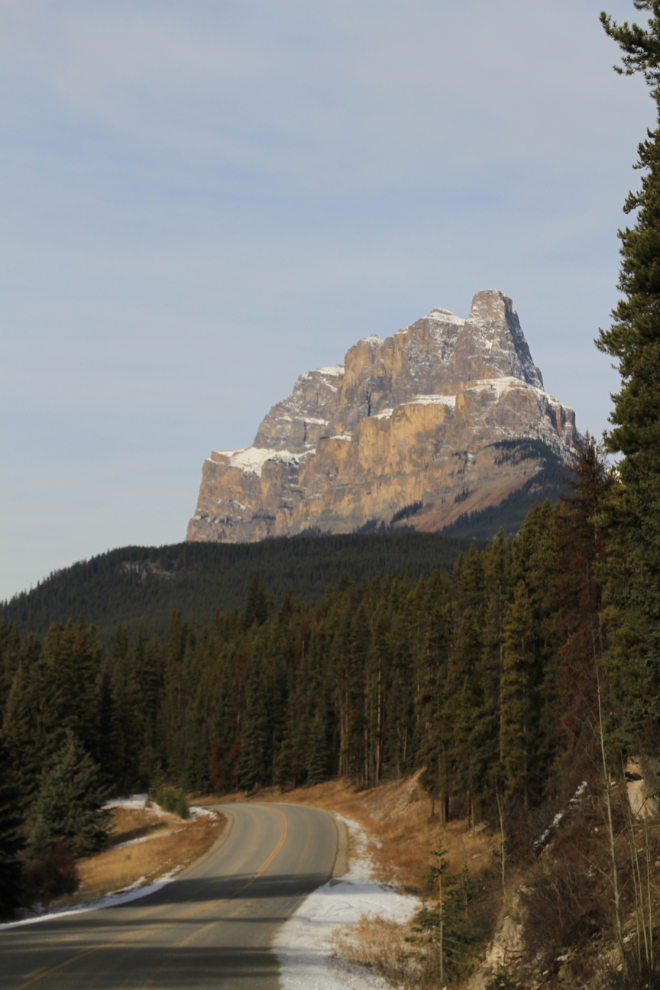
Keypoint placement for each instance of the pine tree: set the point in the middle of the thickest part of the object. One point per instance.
(10, 841)
(318, 758)
(68, 806)
(103, 751)
(443, 924)
(462, 702)
(516, 695)
(634, 341)
(575, 600)
(256, 760)
(32, 726)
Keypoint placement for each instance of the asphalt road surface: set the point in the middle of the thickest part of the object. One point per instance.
(211, 928)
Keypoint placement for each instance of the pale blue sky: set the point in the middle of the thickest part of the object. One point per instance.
(200, 201)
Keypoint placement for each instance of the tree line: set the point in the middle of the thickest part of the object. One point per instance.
(477, 675)
(143, 586)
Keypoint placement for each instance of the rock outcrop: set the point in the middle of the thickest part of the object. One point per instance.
(445, 417)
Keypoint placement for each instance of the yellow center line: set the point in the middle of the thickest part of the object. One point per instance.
(191, 938)
(264, 866)
(40, 974)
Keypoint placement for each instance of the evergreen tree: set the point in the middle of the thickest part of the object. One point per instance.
(516, 695)
(318, 758)
(575, 601)
(257, 605)
(103, 751)
(68, 806)
(462, 703)
(32, 726)
(633, 589)
(255, 762)
(443, 924)
(10, 841)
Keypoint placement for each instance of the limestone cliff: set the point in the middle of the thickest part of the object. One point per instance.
(438, 417)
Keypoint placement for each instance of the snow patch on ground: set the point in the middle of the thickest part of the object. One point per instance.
(445, 316)
(303, 944)
(139, 888)
(502, 385)
(433, 400)
(556, 821)
(114, 899)
(135, 801)
(252, 459)
(337, 369)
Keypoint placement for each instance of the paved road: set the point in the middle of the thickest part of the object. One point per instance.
(209, 929)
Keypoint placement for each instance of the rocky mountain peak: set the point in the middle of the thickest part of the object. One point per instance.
(361, 440)
(496, 328)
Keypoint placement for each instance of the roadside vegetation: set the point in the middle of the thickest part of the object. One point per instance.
(147, 844)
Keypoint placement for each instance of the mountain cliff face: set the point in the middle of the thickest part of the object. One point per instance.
(445, 417)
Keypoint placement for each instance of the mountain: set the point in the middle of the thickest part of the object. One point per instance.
(142, 586)
(439, 423)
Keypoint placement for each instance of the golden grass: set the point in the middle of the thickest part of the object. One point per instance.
(379, 945)
(135, 823)
(174, 845)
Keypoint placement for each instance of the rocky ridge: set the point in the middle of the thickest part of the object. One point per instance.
(444, 417)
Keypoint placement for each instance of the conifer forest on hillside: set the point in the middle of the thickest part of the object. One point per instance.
(142, 586)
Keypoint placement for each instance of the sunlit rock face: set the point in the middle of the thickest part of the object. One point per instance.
(425, 417)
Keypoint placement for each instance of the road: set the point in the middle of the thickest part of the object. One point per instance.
(211, 928)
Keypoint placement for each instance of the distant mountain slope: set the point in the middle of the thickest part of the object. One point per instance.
(144, 585)
(484, 523)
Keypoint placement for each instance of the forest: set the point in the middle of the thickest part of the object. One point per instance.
(459, 672)
(143, 586)
(483, 675)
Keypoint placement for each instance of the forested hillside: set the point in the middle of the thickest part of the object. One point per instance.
(465, 673)
(142, 586)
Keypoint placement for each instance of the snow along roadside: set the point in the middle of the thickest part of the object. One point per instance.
(113, 899)
(303, 944)
(139, 888)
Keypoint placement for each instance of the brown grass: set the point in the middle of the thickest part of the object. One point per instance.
(379, 945)
(175, 844)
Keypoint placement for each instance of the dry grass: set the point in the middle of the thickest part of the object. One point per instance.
(379, 945)
(136, 823)
(168, 843)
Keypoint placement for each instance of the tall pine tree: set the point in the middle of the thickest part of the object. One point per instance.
(634, 341)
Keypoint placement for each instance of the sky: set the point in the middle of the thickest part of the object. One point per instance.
(201, 201)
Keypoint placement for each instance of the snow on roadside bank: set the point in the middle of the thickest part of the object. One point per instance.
(303, 944)
(116, 898)
(139, 888)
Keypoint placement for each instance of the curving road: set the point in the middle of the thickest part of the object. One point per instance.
(210, 928)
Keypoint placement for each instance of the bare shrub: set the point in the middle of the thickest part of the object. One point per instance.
(566, 898)
(380, 945)
(56, 875)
